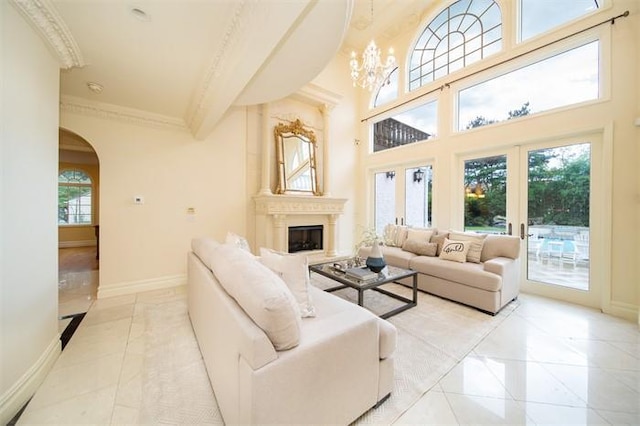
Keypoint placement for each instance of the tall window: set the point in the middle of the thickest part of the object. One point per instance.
(415, 125)
(464, 33)
(538, 16)
(74, 198)
(564, 79)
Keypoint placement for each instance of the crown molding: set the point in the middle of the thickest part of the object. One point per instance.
(74, 105)
(230, 39)
(44, 17)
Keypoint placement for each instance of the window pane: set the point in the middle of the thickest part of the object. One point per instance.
(564, 79)
(485, 194)
(74, 176)
(407, 127)
(474, 26)
(559, 188)
(538, 16)
(385, 200)
(74, 198)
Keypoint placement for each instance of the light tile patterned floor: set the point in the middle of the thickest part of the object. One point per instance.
(549, 362)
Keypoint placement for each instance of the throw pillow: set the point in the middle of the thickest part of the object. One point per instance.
(419, 234)
(439, 240)
(477, 242)
(294, 271)
(420, 247)
(401, 235)
(394, 235)
(455, 250)
(389, 235)
(237, 240)
(262, 294)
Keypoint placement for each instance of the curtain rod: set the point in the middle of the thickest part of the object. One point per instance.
(448, 84)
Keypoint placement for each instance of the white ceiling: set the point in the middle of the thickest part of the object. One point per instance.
(191, 60)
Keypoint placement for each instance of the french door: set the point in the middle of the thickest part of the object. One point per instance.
(551, 196)
(403, 196)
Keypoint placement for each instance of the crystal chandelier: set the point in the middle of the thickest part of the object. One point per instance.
(372, 73)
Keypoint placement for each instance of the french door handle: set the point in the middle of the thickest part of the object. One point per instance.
(510, 229)
(522, 234)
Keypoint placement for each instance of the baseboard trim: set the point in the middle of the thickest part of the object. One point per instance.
(624, 310)
(72, 244)
(132, 287)
(21, 391)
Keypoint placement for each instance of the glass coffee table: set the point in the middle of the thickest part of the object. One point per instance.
(337, 271)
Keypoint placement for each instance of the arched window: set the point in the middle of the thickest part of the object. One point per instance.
(74, 198)
(387, 92)
(464, 33)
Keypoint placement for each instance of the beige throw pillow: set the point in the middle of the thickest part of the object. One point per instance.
(420, 247)
(419, 234)
(439, 240)
(455, 250)
(237, 240)
(294, 271)
(262, 294)
(389, 235)
(477, 242)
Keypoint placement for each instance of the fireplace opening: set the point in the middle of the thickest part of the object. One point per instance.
(303, 238)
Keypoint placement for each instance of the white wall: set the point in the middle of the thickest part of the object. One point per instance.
(144, 246)
(612, 117)
(345, 172)
(29, 339)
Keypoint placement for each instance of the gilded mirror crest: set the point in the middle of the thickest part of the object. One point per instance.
(296, 159)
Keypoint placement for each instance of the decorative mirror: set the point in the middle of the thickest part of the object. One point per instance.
(296, 159)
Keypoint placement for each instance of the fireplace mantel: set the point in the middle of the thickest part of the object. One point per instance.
(292, 204)
(274, 213)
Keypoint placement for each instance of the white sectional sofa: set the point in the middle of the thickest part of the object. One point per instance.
(338, 364)
(487, 282)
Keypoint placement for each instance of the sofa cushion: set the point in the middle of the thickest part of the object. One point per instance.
(420, 247)
(439, 238)
(419, 234)
(477, 241)
(392, 255)
(204, 248)
(455, 250)
(294, 271)
(262, 294)
(471, 274)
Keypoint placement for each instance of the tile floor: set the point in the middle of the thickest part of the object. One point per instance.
(549, 362)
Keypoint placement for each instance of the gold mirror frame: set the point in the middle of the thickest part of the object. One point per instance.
(296, 159)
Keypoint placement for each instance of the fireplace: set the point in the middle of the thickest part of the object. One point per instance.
(304, 238)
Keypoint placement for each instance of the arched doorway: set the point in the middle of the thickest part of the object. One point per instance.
(78, 230)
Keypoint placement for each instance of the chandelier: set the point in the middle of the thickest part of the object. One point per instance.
(371, 73)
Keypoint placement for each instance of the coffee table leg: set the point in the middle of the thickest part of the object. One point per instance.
(415, 289)
(361, 297)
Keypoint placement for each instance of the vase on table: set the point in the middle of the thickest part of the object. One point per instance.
(375, 261)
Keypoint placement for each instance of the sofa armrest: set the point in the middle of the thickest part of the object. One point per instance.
(509, 270)
(388, 338)
(498, 265)
(333, 372)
